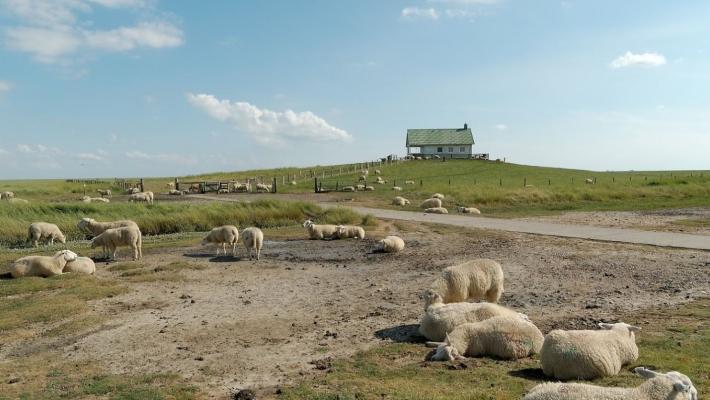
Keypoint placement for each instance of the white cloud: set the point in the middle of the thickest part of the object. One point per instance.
(460, 13)
(630, 59)
(44, 44)
(161, 157)
(267, 126)
(154, 35)
(3, 151)
(5, 86)
(90, 157)
(37, 149)
(501, 127)
(416, 12)
(120, 3)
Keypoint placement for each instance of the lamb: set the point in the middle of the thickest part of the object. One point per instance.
(437, 196)
(440, 318)
(397, 188)
(390, 244)
(104, 192)
(400, 201)
(83, 265)
(44, 231)
(477, 279)
(253, 239)
(44, 266)
(588, 354)
(437, 210)
(349, 231)
(369, 188)
(501, 337)
(141, 197)
(224, 235)
(348, 189)
(7, 195)
(468, 210)
(320, 231)
(112, 238)
(431, 203)
(658, 386)
(409, 182)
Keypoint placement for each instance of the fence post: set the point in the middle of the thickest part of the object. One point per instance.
(525, 182)
(273, 185)
(549, 181)
(177, 183)
(449, 181)
(142, 188)
(421, 182)
(337, 186)
(501, 182)
(315, 185)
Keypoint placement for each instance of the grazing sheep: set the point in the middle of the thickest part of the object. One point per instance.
(15, 200)
(589, 181)
(477, 279)
(348, 188)
(436, 210)
(501, 337)
(349, 231)
(409, 182)
(141, 197)
(378, 172)
(390, 244)
(44, 266)
(369, 188)
(588, 354)
(397, 188)
(262, 187)
(44, 231)
(400, 201)
(82, 265)
(104, 192)
(224, 235)
(437, 196)
(440, 318)
(7, 195)
(468, 210)
(658, 386)
(253, 239)
(431, 203)
(320, 231)
(112, 238)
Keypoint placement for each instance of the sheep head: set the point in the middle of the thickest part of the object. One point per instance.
(446, 352)
(68, 255)
(621, 326)
(681, 382)
(431, 297)
(308, 223)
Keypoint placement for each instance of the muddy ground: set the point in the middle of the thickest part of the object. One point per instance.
(240, 323)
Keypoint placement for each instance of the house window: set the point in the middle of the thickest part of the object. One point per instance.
(462, 149)
(439, 149)
(451, 149)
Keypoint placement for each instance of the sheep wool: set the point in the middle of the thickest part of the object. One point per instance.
(44, 266)
(476, 279)
(468, 210)
(431, 203)
(44, 231)
(349, 231)
(320, 231)
(253, 239)
(400, 201)
(112, 238)
(82, 265)
(436, 210)
(224, 235)
(438, 196)
(390, 244)
(96, 228)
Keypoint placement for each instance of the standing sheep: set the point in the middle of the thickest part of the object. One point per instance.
(104, 192)
(589, 181)
(349, 231)
(658, 386)
(390, 244)
(7, 195)
(430, 203)
(501, 337)
(224, 235)
(96, 228)
(397, 188)
(468, 210)
(253, 239)
(400, 201)
(436, 210)
(44, 266)
(262, 187)
(44, 231)
(588, 354)
(320, 231)
(82, 265)
(476, 279)
(112, 238)
(141, 197)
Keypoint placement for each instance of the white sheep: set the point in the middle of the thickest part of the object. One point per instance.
(44, 231)
(146, 197)
(378, 172)
(409, 182)
(224, 235)
(397, 188)
(242, 187)
(87, 199)
(96, 228)
(82, 265)
(360, 187)
(175, 192)
(501, 337)
(294, 183)
(348, 188)
(44, 266)
(134, 190)
(477, 279)
(437, 210)
(7, 195)
(253, 239)
(262, 187)
(349, 231)
(400, 201)
(112, 238)
(440, 318)
(104, 192)
(658, 386)
(588, 354)
(431, 203)
(326, 231)
(223, 191)
(437, 196)
(390, 244)
(369, 188)
(170, 185)
(468, 210)
(589, 181)
(362, 178)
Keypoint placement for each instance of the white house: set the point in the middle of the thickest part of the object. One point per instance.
(447, 143)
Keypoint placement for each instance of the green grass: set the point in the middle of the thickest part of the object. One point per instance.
(670, 340)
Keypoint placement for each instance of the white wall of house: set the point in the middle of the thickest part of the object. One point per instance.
(447, 149)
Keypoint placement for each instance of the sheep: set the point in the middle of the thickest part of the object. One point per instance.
(44, 266)
(253, 239)
(409, 182)
(390, 244)
(7, 195)
(397, 188)
(133, 190)
(589, 181)
(320, 231)
(97, 228)
(174, 192)
(658, 386)
(195, 188)
(83, 265)
(349, 231)
(400, 201)
(15, 200)
(44, 231)
(294, 183)
(170, 185)
(87, 199)
(369, 188)
(501, 337)
(477, 279)
(468, 210)
(262, 187)
(223, 191)
(360, 187)
(104, 192)
(380, 181)
(431, 203)
(348, 188)
(141, 197)
(378, 172)
(224, 235)
(437, 196)
(112, 238)
(588, 354)
(440, 318)
(437, 210)
(242, 187)
(362, 178)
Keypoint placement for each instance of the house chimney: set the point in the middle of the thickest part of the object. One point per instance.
(465, 126)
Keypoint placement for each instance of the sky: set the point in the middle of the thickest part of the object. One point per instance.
(119, 88)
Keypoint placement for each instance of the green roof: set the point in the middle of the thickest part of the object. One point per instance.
(428, 137)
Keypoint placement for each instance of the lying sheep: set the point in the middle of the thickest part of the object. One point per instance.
(348, 188)
(500, 337)
(140, 197)
(320, 231)
(104, 192)
(44, 266)
(440, 318)
(397, 188)
(409, 182)
(82, 265)
(7, 195)
(390, 244)
(431, 203)
(253, 239)
(87, 199)
(224, 235)
(468, 210)
(112, 238)
(369, 188)
(349, 231)
(658, 386)
(174, 192)
(436, 210)
(476, 279)
(400, 201)
(44, 231)
(437, 196)
(588, 354)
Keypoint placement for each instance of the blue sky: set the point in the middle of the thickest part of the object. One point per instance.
(164, 88)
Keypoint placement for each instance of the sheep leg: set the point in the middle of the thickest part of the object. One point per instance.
(258, 252)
